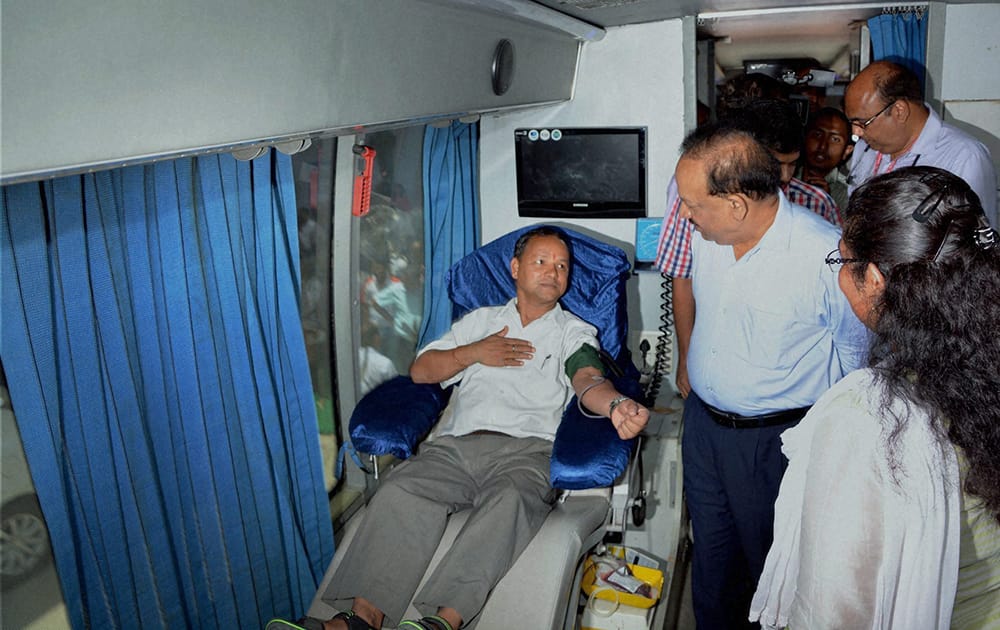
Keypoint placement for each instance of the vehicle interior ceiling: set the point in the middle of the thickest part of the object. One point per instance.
(737, 31)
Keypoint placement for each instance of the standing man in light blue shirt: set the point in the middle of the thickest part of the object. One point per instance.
(896, 129)
(772, 333)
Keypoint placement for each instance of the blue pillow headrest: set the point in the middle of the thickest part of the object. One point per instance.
(596, 291)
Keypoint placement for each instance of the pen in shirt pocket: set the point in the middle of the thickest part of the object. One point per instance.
(544, 361)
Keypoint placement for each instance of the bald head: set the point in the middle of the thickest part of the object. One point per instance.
(728, 184)
(885, 107)
(735, 162)
(888, 81)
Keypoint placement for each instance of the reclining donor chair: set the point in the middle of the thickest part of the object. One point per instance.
(590, 463)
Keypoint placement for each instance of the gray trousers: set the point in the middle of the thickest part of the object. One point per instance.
(505, 483)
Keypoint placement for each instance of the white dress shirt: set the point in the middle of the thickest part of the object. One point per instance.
(523, 401)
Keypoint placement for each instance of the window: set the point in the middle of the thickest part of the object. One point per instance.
(390, 309)
(389, 283)
(392, 258)
(313, 171)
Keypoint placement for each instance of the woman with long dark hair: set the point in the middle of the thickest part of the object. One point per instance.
(889, 512)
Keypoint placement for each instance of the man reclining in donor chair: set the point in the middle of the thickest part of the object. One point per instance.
(517, 366)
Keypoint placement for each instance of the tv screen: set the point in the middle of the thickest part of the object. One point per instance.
(581, 172)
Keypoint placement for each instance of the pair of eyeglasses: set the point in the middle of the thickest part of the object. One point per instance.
(835, 262)
(855, 122)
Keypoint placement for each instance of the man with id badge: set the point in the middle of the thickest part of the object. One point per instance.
(895, 128)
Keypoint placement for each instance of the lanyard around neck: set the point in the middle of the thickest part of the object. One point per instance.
(892, 164)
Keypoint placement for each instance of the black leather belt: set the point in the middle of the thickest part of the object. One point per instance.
(736, 421)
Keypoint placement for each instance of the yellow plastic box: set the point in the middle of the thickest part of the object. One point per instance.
(653, 577)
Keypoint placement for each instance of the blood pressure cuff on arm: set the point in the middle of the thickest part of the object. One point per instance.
(396, 415)
(586, 356)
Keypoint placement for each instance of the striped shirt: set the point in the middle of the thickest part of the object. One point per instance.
(813, 198)
(673, 254)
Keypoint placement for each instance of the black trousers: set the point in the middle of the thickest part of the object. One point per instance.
(731, 480)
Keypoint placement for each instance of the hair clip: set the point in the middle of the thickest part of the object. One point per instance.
(984, 236)
(944, 240)
(929, 205)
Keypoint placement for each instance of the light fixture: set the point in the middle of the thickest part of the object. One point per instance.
(293, 146)
(249, 153)
(502, 71)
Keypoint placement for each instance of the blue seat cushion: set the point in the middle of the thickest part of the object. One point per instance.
(587, 452)
(395, 416)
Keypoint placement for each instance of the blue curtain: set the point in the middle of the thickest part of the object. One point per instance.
(451, 215)
(900, 37)
(154, 353)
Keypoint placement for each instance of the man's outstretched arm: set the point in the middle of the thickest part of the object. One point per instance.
(597, 394)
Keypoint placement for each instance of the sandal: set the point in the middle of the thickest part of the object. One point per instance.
(353, 621)
(311, 623)
(305, 623)
(430, 622)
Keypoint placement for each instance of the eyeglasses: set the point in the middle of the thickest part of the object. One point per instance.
(855, 122)
(834, 261)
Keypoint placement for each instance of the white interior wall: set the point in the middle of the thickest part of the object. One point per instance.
(971, 55)
(635, 76)
(962, 57)
(980, 119)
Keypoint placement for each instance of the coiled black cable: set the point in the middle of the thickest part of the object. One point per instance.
(664, 343)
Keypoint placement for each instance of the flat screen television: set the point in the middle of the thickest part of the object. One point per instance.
(581, 172)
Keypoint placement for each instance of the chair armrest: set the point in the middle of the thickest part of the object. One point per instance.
(395, 416)
(587, 452)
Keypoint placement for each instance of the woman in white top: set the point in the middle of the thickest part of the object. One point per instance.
(874, 504)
